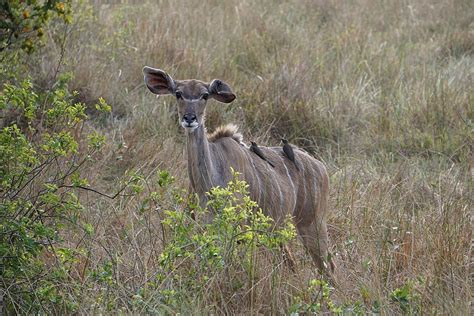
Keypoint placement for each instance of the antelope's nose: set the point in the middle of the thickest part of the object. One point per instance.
(189, 118)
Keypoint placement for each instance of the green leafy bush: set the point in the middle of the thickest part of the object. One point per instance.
(42, 151)
(315, 299)
(200, 261)
(407, 298)
(23, 21)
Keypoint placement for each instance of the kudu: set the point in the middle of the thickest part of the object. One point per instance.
(279, 190)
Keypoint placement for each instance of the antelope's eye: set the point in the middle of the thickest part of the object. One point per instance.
(205, 95)
(179, 95)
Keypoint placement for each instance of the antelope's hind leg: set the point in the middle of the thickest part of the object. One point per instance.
(315, 239)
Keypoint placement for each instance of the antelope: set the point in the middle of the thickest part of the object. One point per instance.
(282, 190)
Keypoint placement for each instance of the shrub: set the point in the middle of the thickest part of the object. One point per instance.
(42, 152)
(202, 262)
(23, 21)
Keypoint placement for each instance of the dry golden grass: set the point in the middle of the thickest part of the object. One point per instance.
(382, 91)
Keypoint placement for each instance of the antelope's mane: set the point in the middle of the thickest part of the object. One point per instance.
(229, 130)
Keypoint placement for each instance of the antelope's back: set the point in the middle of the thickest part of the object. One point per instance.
(279, 191)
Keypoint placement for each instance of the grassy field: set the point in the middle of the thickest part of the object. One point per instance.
(381, 91)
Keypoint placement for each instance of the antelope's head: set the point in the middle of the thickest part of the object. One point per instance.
(191, 95)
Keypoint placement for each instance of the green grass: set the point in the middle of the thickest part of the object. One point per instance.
(381, 91)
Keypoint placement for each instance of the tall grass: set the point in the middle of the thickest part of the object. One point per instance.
(381, 91)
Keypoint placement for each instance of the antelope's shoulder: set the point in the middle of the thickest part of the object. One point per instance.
(229, 130)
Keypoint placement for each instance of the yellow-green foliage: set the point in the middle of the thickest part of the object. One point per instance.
(23, 21)
(197, 257)
(39, 164)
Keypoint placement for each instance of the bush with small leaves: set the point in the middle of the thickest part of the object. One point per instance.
(199, 258)
(315, 299)
(23, 22)
(407, 298)
(42, 152)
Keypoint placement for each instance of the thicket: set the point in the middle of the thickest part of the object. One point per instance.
(43, 150)
(22, 22)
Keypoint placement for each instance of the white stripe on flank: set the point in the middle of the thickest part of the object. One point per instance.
(316, 199)
(314, 183)
(291, 182)
(258, 180)
(278, 185)
(304, 182)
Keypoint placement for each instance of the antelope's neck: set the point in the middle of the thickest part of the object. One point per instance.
(200, 165)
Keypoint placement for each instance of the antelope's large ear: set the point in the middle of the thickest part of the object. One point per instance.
(221, 91)
(158, 81)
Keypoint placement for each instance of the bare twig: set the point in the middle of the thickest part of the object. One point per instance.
(98, 192)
